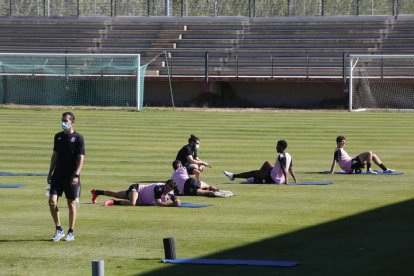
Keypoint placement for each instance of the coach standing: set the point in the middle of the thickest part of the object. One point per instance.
(64, 173)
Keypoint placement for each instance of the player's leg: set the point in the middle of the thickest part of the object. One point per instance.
(205, 186)
(72, 192)
(72, 218)
(132, 198)
(258, 175)
(366, 158)
(201, 192)
(56, 192)
(54, 210)
(378, 162)
(95, 193)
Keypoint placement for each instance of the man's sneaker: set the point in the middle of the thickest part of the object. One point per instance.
(229, 175)
(70, 237)
(388, 171)
(371, 172)
(219, 194)
(94, 196)
(109, 202)
(58, 235)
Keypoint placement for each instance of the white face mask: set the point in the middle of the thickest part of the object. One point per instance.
(66, 125)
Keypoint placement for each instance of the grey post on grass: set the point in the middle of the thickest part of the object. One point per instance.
(98, 268)
(169, 248)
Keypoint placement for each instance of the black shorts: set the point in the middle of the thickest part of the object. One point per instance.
(190, 170)
(356, 164)
(191, 186)
(132, 187)
(60, 185)
(267, 180)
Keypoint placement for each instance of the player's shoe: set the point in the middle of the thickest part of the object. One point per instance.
(94, 196)
(58, 235)
(221, 193)
(388, 171)
(371, 172)
(110, 202)
(229, 175)
(227, 193)
(70, 237)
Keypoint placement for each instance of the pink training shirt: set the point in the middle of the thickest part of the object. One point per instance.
(284, 160)
(147, 194)
(343, 159)
(180, 176)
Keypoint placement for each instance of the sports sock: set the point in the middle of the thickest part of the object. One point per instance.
(117, 202)
(59, 228)
(70, 230)
(368, 166)
(382, 167)
(99, 192)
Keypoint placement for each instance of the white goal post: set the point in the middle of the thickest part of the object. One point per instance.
(108, 80)
(381, 82)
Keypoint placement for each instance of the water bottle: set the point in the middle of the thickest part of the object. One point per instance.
(47, 190)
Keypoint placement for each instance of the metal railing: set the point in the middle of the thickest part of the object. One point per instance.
(247, 8)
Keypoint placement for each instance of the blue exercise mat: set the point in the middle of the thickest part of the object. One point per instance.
(365, 173)
(293, 183)
(22, 174)
(230, 262)
(11, 185)
(311, 183)
(194, 205)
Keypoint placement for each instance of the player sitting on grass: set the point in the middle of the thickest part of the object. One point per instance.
(268, 173)
(349, 165)
(156, 194)
(188, 155)
(189, 186)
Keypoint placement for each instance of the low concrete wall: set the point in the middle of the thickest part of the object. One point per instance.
(303, 93)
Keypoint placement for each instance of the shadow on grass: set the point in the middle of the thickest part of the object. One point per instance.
(376, 242)
(25, 240)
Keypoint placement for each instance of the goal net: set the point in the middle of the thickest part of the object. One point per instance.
(112, 80)
(383, 82)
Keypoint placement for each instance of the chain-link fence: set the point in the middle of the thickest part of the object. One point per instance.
(249, 8)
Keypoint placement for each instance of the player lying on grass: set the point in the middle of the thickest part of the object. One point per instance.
(189, 186)
(349, 165)
(189, 157)
(268, 173)
(155, 194)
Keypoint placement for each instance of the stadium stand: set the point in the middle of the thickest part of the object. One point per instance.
(238, 47)
(318, 43)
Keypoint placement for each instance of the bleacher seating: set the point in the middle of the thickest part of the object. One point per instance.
(260, 47)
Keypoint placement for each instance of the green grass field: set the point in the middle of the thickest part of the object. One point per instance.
(360, 225)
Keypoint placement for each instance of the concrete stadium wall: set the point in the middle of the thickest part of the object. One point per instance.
(286, 93)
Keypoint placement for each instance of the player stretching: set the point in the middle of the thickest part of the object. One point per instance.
(189, 186)
(155, 194)
(270, 174)
(349, 165)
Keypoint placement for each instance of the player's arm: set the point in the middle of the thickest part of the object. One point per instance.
(81, 159)
(292, 173)
(331, 171)
(52, 167)
(175, 203)
(197, 161)
(334, 161)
